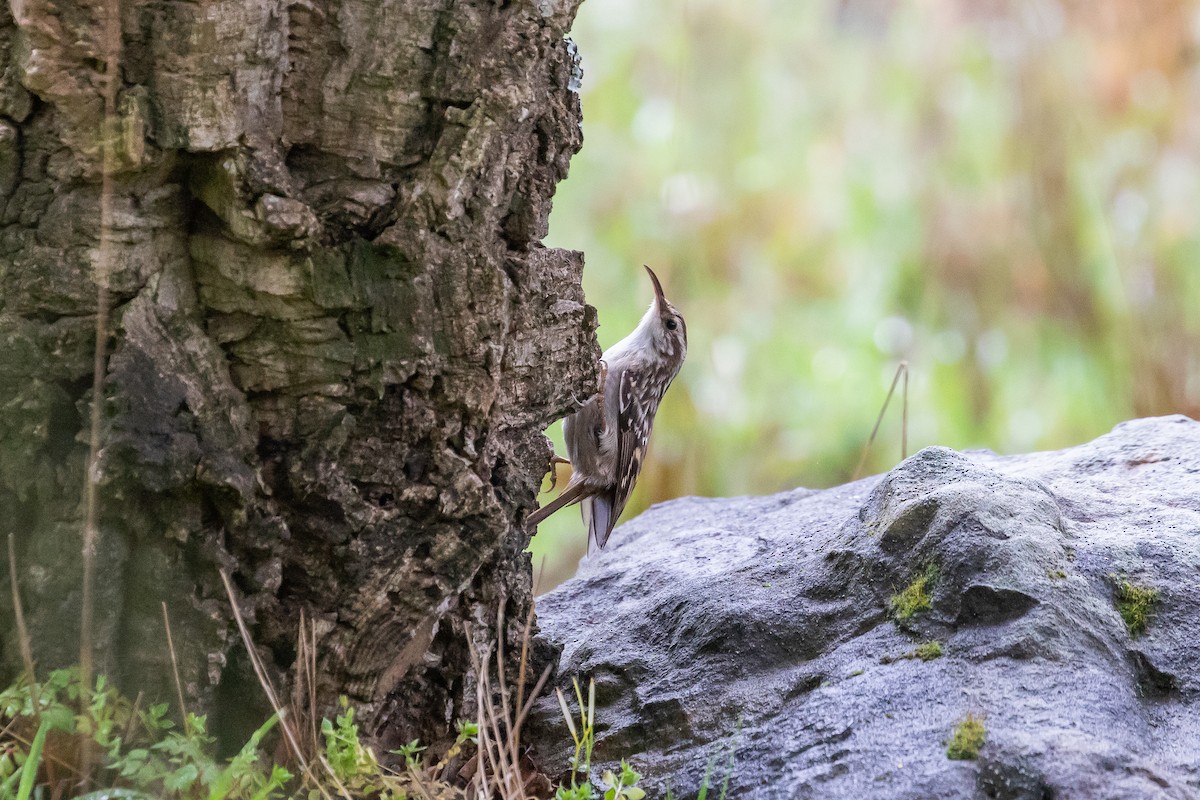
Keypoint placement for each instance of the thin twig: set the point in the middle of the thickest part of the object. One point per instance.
(103, 268)
(298, 681)
(304, 692)
(480, 756)
(904, 416)
(415, 780)
(183, 712)
(537, 690)
(23, 638)
(341, 787)
(497, 742)
(504, 769)
(298, 688)
(522, 670)
(134, 717)
(312, 685)
(500, 636)
(523, 667)
(537, 579)
(902, 367)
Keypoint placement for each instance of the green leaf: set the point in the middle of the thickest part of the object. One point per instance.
(60, 718)
(279, 776)
(29, 769)
(468, 730)
(242, 762)
(410, 752)
(6, 788)
(183, 778)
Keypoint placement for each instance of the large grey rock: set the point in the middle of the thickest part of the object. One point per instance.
(762, 624)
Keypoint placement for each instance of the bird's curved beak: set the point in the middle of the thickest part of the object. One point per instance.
(659, 297)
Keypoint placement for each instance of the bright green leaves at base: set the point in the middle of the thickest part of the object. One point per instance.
(141, 753)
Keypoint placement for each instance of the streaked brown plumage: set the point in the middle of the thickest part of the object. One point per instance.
(607, 437)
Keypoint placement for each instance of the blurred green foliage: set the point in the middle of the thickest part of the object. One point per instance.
(1004, 194)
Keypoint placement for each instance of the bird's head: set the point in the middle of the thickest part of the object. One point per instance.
(666, 324)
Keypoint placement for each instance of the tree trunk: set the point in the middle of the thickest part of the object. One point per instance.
(335, 336)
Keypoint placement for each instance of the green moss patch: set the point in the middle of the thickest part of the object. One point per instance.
(929, 651)
(915, 597)
(1136, 604)
(967, 739)
(926, 652)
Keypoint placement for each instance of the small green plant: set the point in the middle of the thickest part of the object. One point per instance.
(411, 753)
(967, 739)
(345, 752)
(915, 596)
(1135, 604)
(623, 784)
(1056, 574)
(584, 737)
(142, 754)
(706, 782)
(620, 786)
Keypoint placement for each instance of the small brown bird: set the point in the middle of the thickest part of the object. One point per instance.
(607, 437)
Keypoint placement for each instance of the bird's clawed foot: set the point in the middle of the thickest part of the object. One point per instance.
(555, 460)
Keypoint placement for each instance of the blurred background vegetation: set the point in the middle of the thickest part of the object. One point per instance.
(1004, 193)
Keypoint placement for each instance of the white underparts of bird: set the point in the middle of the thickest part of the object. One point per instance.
(607, 436)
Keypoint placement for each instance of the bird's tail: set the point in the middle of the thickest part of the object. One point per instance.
(599, 518)
(572, 494)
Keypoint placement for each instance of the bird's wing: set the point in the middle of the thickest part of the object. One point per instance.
(580, 437)
(636, 406)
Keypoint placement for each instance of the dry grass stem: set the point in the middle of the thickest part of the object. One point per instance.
(901, 369)
(304, 686)
(183, 713)
(23, 639)
(500, 661)
(498, 772)
(904, 414)
(111, 47)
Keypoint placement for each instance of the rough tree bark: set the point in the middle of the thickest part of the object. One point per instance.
(335, 340)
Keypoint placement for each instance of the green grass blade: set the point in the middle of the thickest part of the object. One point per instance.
(704, 784)
(29, 769)
(728, 769)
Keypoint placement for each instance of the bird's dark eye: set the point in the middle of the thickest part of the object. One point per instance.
(671, 324)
